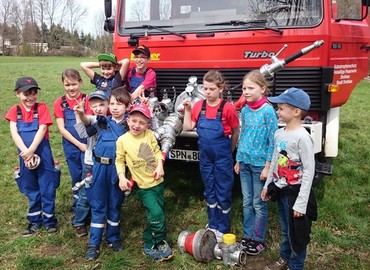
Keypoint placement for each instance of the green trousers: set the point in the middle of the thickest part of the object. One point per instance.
(153, 200)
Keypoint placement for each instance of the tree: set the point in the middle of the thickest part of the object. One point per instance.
(74, 13)
(5, 14)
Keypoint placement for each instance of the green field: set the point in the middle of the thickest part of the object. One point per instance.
(340, 237)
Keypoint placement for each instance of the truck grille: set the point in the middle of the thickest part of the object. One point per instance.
(312, 80)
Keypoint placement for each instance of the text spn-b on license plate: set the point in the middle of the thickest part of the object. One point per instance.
(185, 155)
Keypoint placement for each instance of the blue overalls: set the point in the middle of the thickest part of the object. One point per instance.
(105, 85)
(104, 195)
(74, 156)
(135, 82)
(216, 168)
(40, 184)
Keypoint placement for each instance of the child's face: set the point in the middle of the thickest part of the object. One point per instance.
(252, 91)
(141, 60)
(99, 106)
(212, 91)
(108, 71)
(28, 98)
(286, 112)
(137, 123)
(72, 87)
(116, 108)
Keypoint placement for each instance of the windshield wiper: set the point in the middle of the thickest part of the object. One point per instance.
(256, 23)
(159, 28)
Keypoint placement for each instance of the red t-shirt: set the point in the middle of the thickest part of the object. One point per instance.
(230, 118)
(58, 109)
(150, 80)
(44, 116)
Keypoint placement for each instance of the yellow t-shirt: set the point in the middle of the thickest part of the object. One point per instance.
(140, 153)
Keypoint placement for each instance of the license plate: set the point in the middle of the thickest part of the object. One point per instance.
(186, 155)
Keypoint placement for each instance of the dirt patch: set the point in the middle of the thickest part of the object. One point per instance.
(47, 250)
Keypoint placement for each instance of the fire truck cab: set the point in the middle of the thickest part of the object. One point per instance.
(189, 37)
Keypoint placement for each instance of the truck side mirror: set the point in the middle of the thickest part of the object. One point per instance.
(109, 25)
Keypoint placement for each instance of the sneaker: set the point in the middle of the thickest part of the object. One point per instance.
(245, 242)
(52, 229)
(116, 246)
(81, 230)
(164, 250)
(153, 252)
(254, 247)
(31, 229)
(280, 264)
(219, 235)
(92, 252)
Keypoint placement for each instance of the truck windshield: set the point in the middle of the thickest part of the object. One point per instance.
(189, 16)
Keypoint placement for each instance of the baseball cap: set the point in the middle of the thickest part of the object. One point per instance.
(98, 94)
(142, 49)
(107, 57)
(143, 109)
(295, 97)
(24, 84)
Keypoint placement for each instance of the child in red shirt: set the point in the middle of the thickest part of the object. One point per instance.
(37, 179)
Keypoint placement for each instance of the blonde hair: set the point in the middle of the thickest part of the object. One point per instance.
(258, 78)
(216, 77)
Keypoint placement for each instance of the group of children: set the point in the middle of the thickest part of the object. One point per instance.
(276, 164)
(103, 133)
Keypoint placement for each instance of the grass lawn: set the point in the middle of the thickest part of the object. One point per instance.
(340, 238)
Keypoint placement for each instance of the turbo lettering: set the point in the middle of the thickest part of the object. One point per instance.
(254, 55)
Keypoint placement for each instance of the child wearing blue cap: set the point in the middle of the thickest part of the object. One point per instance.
(112, 75)
(290, 177)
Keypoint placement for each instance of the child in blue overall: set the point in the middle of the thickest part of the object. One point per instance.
(256, 146)
(29, 122)
(104, 196)
(112, 75)
(73, 146)
(99, 105)
(141, 79)
(218, 128)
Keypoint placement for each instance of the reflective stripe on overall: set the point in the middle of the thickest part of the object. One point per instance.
(74, 156)
(40, 184)
(104, 196)
(216, 168)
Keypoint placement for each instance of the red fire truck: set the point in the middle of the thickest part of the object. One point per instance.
(189, 37)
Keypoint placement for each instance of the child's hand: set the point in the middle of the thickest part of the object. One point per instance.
(187, 104)
(263, 176)
(79, 107)
(27, 155)
(144, 100)
(158, 173)
(124, 183)
(264, 196)
(82, 147)
(237, 167)
(297, 214)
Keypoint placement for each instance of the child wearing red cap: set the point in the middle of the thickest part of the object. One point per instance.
(138, 149)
